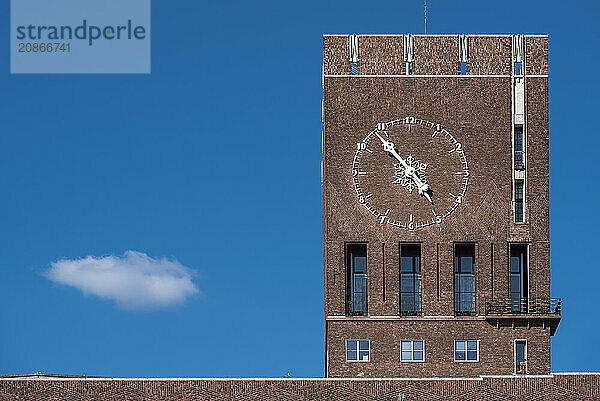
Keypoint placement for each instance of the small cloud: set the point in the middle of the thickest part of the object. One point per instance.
(134, 280)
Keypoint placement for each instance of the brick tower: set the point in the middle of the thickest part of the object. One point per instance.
(435, 206)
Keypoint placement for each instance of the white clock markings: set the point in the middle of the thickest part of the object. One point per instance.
(410, 171)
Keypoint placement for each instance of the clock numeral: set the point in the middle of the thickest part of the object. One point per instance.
(361, 146)
(381, 126)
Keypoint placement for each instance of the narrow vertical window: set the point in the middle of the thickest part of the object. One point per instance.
(356, 266)
(519, 201)
(409, 68)
(518, 68)
(519, 164)
(520, 357)
(464, 296)
(410, 279)
(354, 68)
(518, 278)
(463, 68)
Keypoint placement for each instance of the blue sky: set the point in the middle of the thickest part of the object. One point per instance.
(212, 163)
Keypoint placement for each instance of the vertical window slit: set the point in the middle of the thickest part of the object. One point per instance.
(492, 267)
(383, 267)
(437, 257)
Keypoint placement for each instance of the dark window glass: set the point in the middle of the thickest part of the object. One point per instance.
(463, 68)
(519, 201)
(356, 261)
(354, 68)
(464, 279)
(410, 279)
(520, 357)
(518, 278)
(519, 147)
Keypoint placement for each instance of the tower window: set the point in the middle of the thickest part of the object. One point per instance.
(356, 265)
(412, 351)
(463, 68)
(518, 68)
(466, 351)
(518, 278)
(464, 295)
(519, 165)
(358, 350)
(520, 357)
(354, 68)
(410, 279)
(519, 201)
(409, 68)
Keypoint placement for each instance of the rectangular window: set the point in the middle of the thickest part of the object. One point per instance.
(518, 68)
(412, 351)
(463, 68)
(518, 278)
(358, 350)
(519, 201)
(410, 279)
(354, 68)
(521, 357)
(519, 164)
(409, 68)
(356, 266)
(466, 350)
(464, 279)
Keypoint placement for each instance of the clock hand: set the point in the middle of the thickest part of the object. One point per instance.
(389, 147)
(410, 171)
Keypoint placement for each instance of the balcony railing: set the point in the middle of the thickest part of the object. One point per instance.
(464, 308)
(522, 306)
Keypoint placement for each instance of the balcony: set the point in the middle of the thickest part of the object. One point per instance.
(546, 309)
(522, 306)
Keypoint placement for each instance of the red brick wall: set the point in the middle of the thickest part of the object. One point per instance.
(579, 386)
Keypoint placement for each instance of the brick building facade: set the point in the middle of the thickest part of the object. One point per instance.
(435, 206)
(566, 386)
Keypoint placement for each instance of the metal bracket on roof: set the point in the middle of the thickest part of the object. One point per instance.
(353, 48)
(517, 48)
(408, 48)
(463, 48)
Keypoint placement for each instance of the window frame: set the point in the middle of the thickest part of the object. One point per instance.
(358, 350)
(419, 294)
(466, 351)
(515, 355)
(521, 201)
(350, 280)
(458, 312)
(524, 284)
(412, 350)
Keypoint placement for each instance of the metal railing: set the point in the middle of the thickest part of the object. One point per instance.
(522, 306)
(464, 308)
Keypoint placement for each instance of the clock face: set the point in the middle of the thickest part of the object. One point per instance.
(410, 173)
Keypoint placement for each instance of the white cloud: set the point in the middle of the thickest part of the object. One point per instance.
(134, 280)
